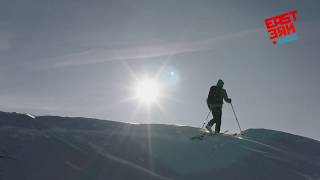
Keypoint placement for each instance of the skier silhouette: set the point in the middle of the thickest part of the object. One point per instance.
(215, 100)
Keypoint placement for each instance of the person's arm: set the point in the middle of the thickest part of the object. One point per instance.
(225, 97)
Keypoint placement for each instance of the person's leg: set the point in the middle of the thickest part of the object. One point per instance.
(217, 117)
(211, 122)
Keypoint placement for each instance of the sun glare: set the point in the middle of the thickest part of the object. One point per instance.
(147, 91)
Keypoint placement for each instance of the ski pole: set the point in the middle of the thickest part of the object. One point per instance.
(206, 119)
(236, 118)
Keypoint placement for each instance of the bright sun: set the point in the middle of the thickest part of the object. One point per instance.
(147, 91)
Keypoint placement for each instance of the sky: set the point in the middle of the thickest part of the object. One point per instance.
(82, 58)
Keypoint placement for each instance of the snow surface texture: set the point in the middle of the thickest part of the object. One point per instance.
(51, 148)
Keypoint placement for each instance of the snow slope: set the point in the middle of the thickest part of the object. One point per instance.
(51, 148)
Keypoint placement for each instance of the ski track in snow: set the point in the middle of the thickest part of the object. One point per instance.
(123, 161)
(262, 144)
(72, 165)
(255, 150)
(108, 156)
(304, 176)
(282, 152)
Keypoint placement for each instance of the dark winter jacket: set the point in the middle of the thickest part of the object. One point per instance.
(216, 96)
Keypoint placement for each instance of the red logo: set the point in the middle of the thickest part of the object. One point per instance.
(281, 28)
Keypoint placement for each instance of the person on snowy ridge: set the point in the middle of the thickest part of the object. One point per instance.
(215, 100)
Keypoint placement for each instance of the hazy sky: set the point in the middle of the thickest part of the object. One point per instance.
(79, 58)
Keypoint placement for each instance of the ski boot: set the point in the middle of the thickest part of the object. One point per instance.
(209, 129)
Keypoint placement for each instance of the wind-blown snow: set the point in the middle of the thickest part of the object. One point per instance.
(51, 147)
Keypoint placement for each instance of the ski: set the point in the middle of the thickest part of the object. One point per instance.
(204, 133)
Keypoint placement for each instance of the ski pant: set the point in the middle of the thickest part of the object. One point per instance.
(216, 113)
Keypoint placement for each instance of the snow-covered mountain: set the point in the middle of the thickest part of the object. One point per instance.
(61, 148)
